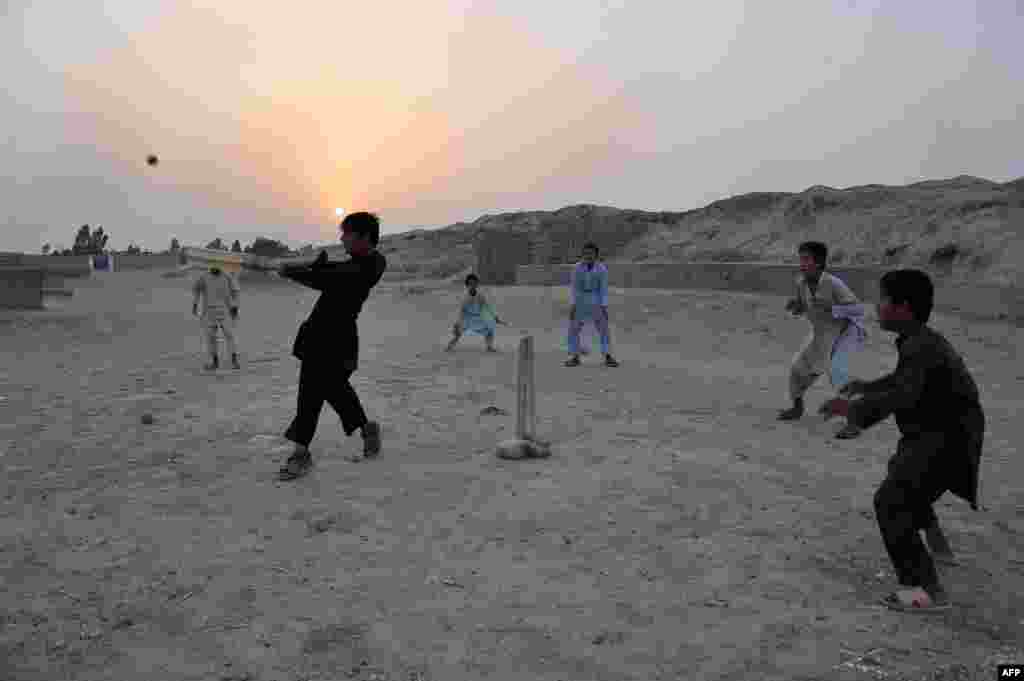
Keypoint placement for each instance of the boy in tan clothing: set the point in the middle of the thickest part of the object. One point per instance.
(820, 296)
(220, 309)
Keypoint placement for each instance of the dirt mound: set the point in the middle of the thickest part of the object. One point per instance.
(969, 225)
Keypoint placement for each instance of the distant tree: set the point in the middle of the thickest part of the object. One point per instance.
(267, 247)
(217, 245)
(82, 238)
(90, 242)
(66, 251)
(175, 246)
(133, 250)
(236, 247)
(46, 249)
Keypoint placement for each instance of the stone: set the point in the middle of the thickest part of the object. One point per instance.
(523, 449)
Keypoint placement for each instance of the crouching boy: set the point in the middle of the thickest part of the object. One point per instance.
(937, 409)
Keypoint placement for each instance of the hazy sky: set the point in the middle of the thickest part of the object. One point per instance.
(269, 116)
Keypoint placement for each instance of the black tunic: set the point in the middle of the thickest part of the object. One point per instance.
(935, 402)
(330, 332)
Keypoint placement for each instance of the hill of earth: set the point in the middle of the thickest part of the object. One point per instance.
(969, 227)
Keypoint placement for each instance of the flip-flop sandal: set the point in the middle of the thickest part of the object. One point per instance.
(611, 362)
(294, 469)
(914, 603)
(848, 433)
(574, 362)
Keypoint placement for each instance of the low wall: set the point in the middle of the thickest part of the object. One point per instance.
(772, 278)
(65, 265)
(21, 287)
(496, 254)
(56, 269)
(989, 301)
(165, 261)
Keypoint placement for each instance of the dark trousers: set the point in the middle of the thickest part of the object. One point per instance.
(321, 382)
(903, 507)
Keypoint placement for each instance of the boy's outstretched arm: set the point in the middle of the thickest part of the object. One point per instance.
(322, 277)
(902, 389)
(575, 289)
(576, 286)
(602, 291)
(197, 290)
(795, 305)
(234, 291)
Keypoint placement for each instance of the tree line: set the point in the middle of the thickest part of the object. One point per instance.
(93, 241)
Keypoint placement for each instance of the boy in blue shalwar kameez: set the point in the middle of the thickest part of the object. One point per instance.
(476, 315)
(589, 290)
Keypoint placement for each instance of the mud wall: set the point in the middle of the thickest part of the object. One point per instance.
(989, 301)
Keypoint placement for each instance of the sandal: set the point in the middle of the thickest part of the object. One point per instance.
(848, 432)
(296, 466)
(573, 361)
(371, 439)
(609, 361)
(916, 601)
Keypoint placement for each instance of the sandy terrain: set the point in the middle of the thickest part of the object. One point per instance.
(678, 531)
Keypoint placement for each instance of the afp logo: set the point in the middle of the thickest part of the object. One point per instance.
(1010, 671)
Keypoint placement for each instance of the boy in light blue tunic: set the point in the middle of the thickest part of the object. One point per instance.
(476, 315)
(589, 291)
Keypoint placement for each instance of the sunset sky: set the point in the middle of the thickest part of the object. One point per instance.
(269, 116)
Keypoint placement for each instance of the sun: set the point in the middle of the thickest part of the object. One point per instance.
(339, 211)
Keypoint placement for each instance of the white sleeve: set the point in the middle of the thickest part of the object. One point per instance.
(841, 293)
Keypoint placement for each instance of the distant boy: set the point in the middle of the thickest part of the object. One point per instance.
(836, 318)
(476, 315)
(589, 290)
(327, 343)
(942, 427)
(219, 292)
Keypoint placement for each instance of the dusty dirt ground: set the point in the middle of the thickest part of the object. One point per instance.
(678, 532)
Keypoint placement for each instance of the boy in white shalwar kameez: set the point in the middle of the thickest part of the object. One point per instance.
(837, 329)
(589, 290)
(219, 292)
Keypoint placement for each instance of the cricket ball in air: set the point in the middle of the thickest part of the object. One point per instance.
(152, 160)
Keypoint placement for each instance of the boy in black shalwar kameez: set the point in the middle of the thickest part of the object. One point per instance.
(942, 426)
(328, 342)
